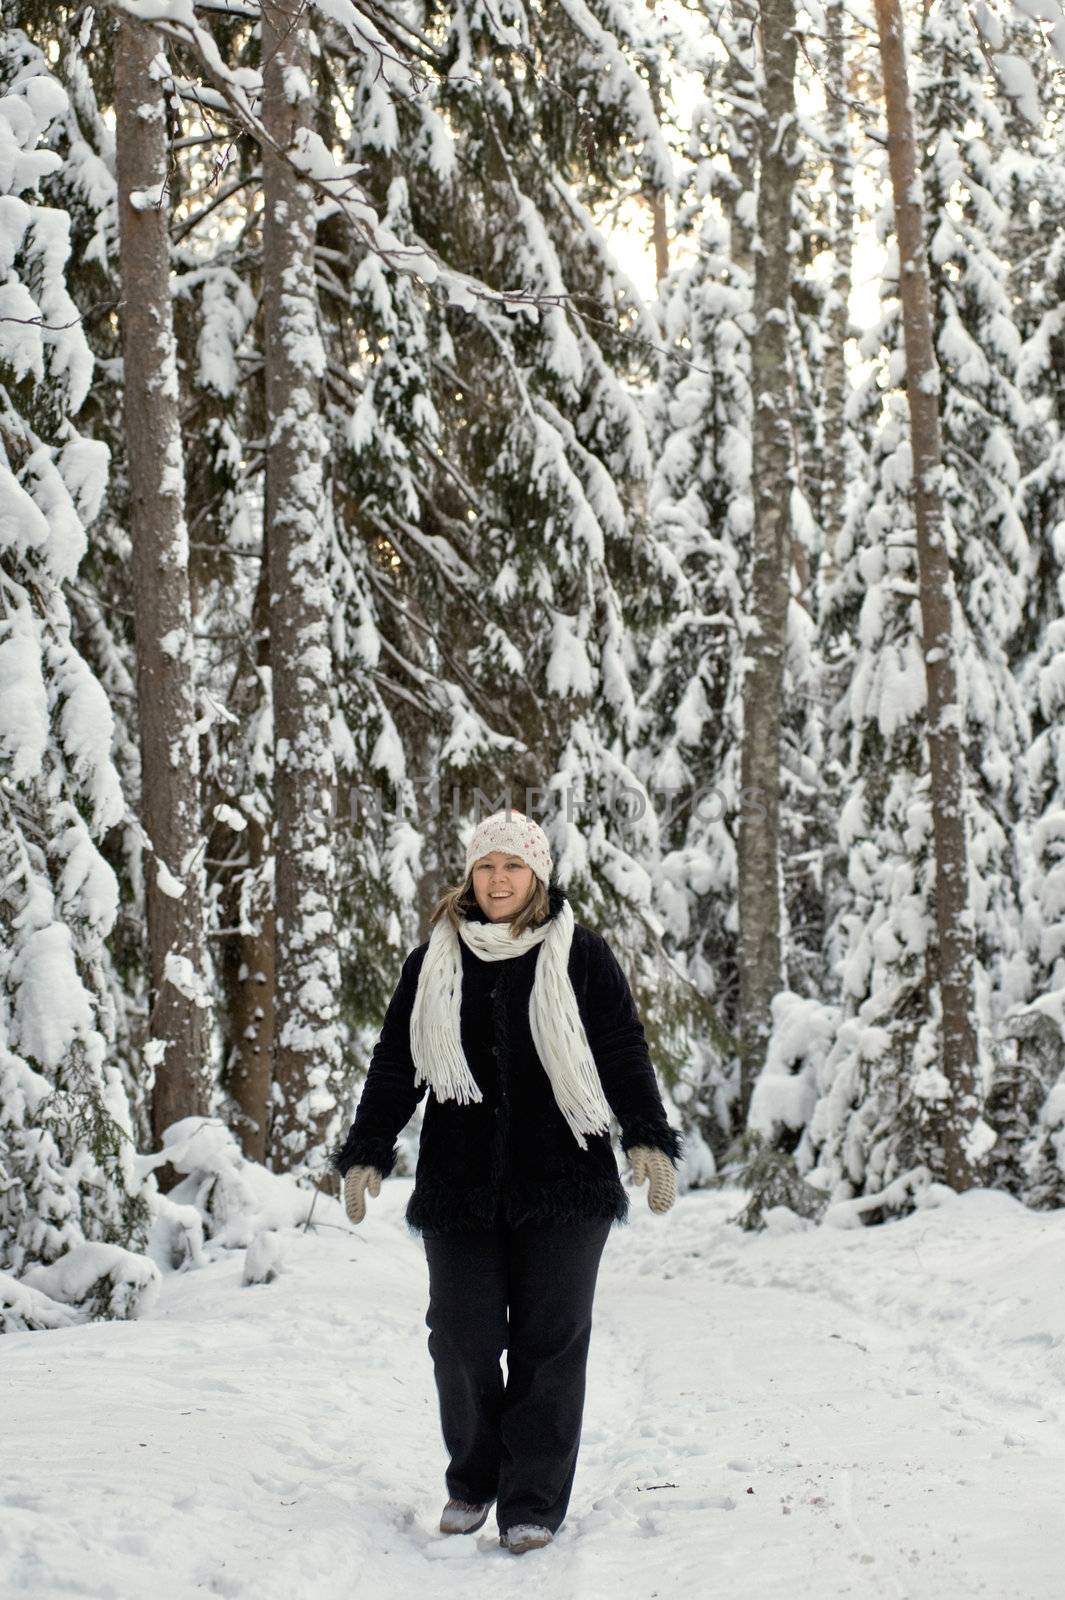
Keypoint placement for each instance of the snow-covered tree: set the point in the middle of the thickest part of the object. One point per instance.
(880, 1085)
(67, 1174)
(489, 564)
(487, 458)
(1030, 1086)
(983, 413)
(701, 499)
(81, 183)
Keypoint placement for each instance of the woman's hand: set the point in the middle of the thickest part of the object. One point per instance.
(656, 1166)
(356, 1182)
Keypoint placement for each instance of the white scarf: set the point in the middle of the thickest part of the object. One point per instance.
(554, 1020)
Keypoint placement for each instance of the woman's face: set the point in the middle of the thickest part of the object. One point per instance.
(501, 885)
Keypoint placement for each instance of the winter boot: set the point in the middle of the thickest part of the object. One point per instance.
(525, 1536)
(460, 1516)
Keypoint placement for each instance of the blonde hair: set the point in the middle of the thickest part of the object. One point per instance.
(457, 901)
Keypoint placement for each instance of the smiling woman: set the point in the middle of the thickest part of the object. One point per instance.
(522, 1026)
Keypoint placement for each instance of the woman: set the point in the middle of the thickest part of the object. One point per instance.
(521, 1025)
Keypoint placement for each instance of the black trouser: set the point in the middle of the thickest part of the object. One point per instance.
(529, 1290)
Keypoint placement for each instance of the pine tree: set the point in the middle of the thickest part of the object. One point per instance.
(700, 500)
(983, 414)
(818, 234)
(877, 1116)
(701, 496)
(487, 460)
(66, 1155)
(82, 185)
(1029, 1087)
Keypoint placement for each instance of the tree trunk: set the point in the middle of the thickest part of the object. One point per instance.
(738, 200)
(760, 889)
(250, 966)
(833, 485)
(660, 234)
(657, 200)
(253, 995)
(179, 1029)
(306, 1048)
(954, 920)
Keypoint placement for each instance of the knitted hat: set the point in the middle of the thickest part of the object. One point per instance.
(518, 835)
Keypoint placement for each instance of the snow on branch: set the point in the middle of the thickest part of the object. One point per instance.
(1013, 74)
(622, 85)
(237, 94)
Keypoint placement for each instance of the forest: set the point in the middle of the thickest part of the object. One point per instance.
(649, 415)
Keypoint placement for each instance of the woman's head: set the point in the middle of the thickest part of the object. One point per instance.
(508, 868)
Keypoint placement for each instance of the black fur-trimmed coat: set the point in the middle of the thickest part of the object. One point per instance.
(512, 1156)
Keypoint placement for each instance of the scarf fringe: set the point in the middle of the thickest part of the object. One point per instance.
(554, 1019)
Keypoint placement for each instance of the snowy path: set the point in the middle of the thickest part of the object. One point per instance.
(876, 1414)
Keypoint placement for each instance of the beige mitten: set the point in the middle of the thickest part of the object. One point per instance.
(356, 1182)
(656, 1166)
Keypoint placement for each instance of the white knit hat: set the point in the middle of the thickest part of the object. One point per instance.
(518, 835)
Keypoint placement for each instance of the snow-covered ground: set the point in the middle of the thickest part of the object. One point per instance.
(808, 1415)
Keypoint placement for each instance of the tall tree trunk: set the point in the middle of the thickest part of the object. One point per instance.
(657, 198)
(740, 90)
(954, 918)
(170, 804)
(659, 233)
(760, 889)
(837, 127)
(251, 968)
(253, 993)
(306, 1047)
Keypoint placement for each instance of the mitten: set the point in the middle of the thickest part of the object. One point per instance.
(656, 1166)
(356, 1182)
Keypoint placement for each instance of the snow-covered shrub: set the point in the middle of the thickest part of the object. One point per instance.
(698, 1167)
(774, 1183)
(100, 1281)
(774, 1152)
(1035, 1104)
(1045, 1156)
(910, 1191)
(176, 1241)
(263, 1259)
(235, 1198)
(22, 1309)
(785, 1093)
(1031, 1061)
